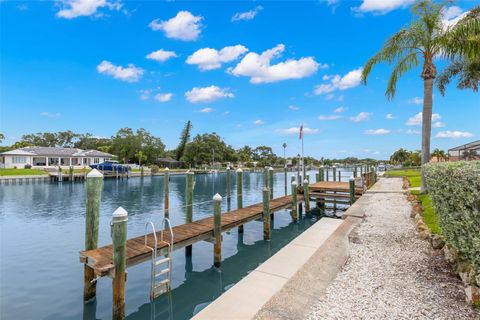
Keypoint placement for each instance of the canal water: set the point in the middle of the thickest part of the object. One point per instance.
(42, 228)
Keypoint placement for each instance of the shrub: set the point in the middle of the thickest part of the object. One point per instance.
(28, 166)
(455, 192)
(154, 168)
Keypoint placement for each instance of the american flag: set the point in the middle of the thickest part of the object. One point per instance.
(301, 132)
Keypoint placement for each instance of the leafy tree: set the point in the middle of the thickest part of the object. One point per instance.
(140, 157)
(201, 149)
(152, 147)
(264, 155)
(245, 154)
(400, 156)
(424, 40)
(2, 137)
(88, 141)
(125, 144)
(184, 138)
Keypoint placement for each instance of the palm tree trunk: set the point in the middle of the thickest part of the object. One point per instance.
(426, 126)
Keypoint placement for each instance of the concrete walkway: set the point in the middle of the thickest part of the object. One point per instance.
(391, 274)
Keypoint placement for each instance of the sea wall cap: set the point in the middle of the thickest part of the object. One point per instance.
(190, 172)
(94, 174)
(217, 197)
(166, 169)
(120, 215)
(239, 170)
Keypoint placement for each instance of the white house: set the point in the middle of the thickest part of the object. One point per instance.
(51, 157)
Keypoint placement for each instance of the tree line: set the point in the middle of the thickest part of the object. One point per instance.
(142, 147)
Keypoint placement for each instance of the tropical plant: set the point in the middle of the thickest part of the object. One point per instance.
(469, 155)
(466, 69)
(2, 137)
(399, 156)
(439, 154)
(426, 39)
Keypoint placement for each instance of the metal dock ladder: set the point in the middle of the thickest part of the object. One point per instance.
(161, 270)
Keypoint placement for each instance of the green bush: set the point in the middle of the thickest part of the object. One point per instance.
(455, 192)
(154, 168)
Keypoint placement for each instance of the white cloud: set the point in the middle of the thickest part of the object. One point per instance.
(329, 118)
(452, 15)
(129, 73)
(416, 100)
(454, 134)
(377, 132)
(258, 122)
(245, 16)
(206, 110)
(161, 55)
(381, 6)
(207, 94)
(145, 94)
(260, 70)
(163, 97)
(389, 116)
(416, 120)
(362, 116)
(184, 26)
(50, 115)
(78, 8)
(438, 124)
(350, 80)
(209, 59)
(411, 131)
(296, 130)
(292, 107)
(340, 110)
(22, 7)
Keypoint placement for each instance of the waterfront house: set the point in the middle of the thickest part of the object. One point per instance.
(43, 157)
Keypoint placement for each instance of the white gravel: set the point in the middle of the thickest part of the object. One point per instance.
(391, 274)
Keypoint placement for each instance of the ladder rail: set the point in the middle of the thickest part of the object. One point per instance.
(154, 255)
(167, 225)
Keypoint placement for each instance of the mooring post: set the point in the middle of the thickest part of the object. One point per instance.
(352, 190)
(334, 173)
(239, 194)
(326, 174)
(355, 171)
(298, 168)
(60, 175)
(119, 238)
(270, 181)
(94, 183)
(166, 202)
(266, 214)
(361, 170)
(321, 172)
(317, 177)
(229, 183)
(189, 204)
(294, 201)
(306, 194)
(217, 230)
(339, 176)
(70, 171)
(265, 177)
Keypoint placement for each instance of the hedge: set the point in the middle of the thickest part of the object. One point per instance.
(455, 192)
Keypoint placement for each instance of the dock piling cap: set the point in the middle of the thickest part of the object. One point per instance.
(94, 174)
(352, 178)
(305, 181)
(239, 170)
(294, 183)
(166, 169)
(120, 215)
(217, 197)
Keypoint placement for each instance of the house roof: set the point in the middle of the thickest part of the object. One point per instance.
(472, 145)
(58, 152)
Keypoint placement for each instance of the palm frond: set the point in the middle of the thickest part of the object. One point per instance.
(408, 62)
(468, 72)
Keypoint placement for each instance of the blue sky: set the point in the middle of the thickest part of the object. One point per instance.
(99, 65)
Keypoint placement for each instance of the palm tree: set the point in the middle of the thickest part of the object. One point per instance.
(466, 69)
(399, 156)
(439, 154)
(424, 40)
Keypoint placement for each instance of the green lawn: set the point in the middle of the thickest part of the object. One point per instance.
(21, 172)
(429, 216)
(413, 175)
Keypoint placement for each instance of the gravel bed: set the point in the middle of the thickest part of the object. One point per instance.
(391, 274)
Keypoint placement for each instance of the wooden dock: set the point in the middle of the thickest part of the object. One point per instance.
(100, 259)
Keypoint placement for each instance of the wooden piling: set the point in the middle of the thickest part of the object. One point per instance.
(355, 171)
(240, 194)
(266, 214)
(339, 176)
(352, 190)
(189, 204)
(229, 183)
(321, 172)
(326, 175)
(166, 201)
(334, 173)
(294, 201)
(217, 230)
(94, 183)
(70, 172)
(317, 177)
(119, 238)
(306, 194)
(270, 181)
(285, 175)
(265, 177)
